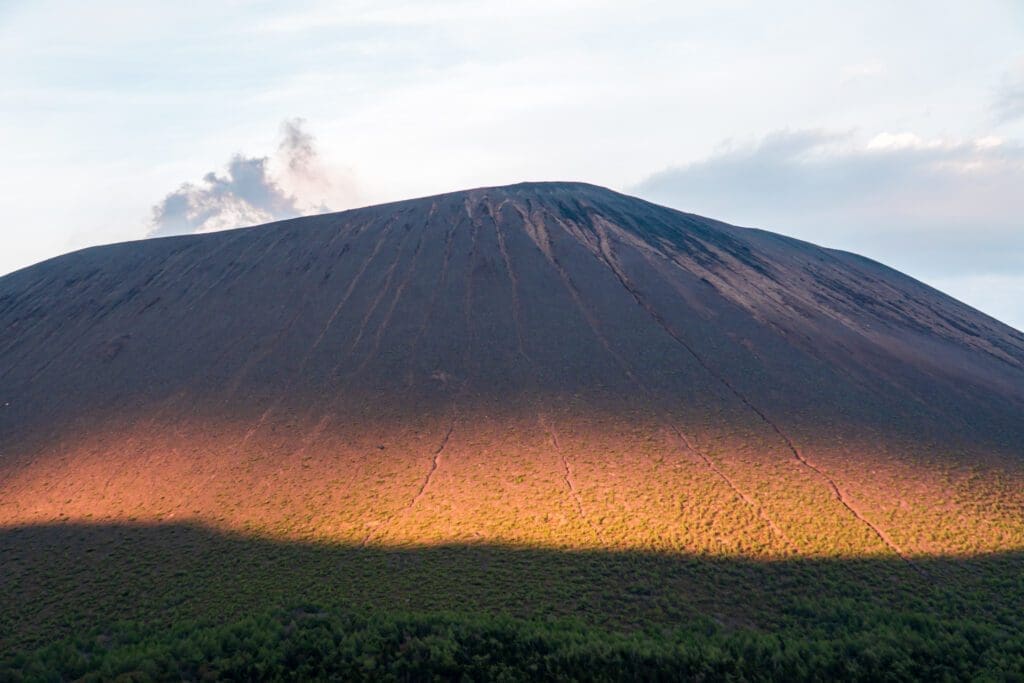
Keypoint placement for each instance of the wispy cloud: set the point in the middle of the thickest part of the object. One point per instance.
(297, 146)
(255, 190)
(245, 195)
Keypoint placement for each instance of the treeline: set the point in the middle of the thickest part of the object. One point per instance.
(309, 644)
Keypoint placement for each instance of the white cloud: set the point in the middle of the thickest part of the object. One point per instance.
(899, 141)
(245, 195)
(255, 190)
(934, 208)
(988, 142)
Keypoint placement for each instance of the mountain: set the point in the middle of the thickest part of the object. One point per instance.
(539, 366)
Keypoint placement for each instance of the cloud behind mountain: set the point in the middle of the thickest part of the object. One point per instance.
(947, 211)
(255, 189)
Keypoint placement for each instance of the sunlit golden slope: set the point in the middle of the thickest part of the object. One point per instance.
(548, 365)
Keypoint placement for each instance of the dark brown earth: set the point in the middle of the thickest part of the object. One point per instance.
(544, 364)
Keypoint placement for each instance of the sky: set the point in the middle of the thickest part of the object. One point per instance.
(892, 129)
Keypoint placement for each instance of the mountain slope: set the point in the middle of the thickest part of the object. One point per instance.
(544, 364)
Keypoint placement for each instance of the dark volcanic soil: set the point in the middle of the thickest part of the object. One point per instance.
(544, 363)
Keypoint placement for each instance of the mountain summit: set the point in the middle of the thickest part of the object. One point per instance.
(543, 364)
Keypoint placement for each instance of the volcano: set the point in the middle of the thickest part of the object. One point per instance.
(546, 366)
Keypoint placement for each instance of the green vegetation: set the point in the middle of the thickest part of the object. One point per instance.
(308, 643)
(181, 601)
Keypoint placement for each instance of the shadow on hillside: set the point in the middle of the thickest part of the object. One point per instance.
(72, 578)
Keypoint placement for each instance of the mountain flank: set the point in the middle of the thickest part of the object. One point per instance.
(546, 365)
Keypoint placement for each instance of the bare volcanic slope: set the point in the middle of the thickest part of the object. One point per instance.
(546, 364)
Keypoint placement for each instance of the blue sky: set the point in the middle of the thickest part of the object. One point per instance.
(892, 129)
